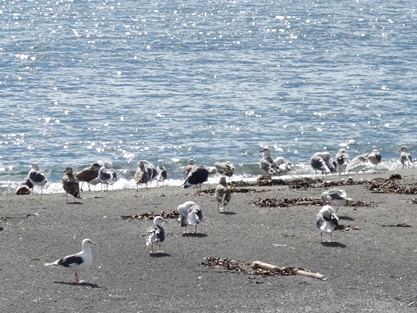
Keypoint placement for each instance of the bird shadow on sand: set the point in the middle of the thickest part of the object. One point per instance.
(346, 218)
(75, 202)
(227, 213)
(159, 254)
(333, 244)
(82, 284)
(197, 235)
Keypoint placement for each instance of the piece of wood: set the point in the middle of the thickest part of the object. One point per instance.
(271, 267)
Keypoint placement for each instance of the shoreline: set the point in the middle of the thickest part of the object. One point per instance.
(370, 268)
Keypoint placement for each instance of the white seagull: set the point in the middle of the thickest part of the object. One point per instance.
(36, 176)
(223, 194)
(405, 157)
(190, 214)
(225, 168)
(335, 197)
(322, 161)
(374, 157)
(107, 175)
(162, 173)
(342, 159)
(283, 165)
(326, 221)
(77, 262)
(155, 233)
(267, 163)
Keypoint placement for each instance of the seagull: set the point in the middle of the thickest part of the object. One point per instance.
(268, 164)
(107, 175)
(283, 165)
(226, 168)
(70, 183)
(342, 159)
(405, 157)
(37, 177)
(335, 197)
(90, 173)
(374, 157)
(326, 221)
(190, 214)
(155, 233)
(162, 173)
(25, 187)
(322, 161)
(77, 262)
(223, 194)
(197, 175)
(190, 165)
(144, 173)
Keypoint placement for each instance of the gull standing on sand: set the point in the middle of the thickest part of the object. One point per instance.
(405, 157)
(374, 157)
(162, 173)
(342, 159)
(190, 214)
(37, 177)
(326, 221)
(283, 165)
(322, 161)
(71, 184)
(225, 168)
(223, 194)
(107, 175)
(156, 233)
(335, 197)
(77, 262)
(25, 187)
(144, 174)
(89, 174)
(198, 174)
(267, 164)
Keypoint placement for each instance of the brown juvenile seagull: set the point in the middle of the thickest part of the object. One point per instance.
(71, 184)
(90, 173)
(223, 194)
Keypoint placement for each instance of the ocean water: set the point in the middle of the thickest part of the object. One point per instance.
(82, 81)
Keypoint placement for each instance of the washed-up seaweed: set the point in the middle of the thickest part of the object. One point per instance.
(396, 225)
(298, 183)
(256, 268)
(284, 202)
(151, 215)
(381, 185)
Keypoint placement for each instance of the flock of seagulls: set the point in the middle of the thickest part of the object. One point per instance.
(190, 213)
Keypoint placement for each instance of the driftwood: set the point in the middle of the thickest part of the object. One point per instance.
(297, 271)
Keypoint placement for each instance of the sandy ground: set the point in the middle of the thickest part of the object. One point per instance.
(369, 269)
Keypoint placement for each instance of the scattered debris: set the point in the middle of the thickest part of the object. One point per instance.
(346, 228)
(6, 218)
(396, 225)
(151, 215)
(284, 202)
(298, 183)
(382, 185)
(257, 268)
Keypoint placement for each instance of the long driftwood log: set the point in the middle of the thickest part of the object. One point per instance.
(297, 271)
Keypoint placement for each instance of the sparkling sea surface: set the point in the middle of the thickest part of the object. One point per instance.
(82, 81)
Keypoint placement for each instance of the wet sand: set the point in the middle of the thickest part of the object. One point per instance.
(368, 268)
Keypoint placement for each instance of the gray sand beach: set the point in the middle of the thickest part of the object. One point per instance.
(369, 266)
